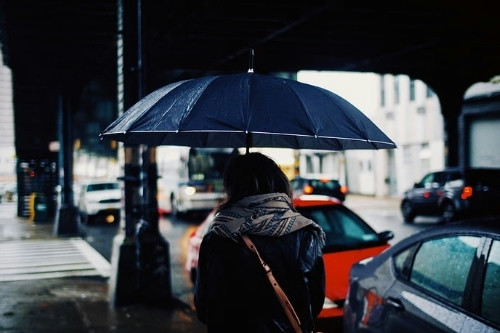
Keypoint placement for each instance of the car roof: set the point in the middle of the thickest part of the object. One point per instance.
(313, 200)
(448, 169)
(487, 226)
(466, 169)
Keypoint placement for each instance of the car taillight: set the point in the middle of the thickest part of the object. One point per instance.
(344, 189)
(372, 305)
(308, 189)
(466, 192)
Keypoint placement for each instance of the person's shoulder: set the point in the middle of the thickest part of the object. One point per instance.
(312, 233)
(212, 237)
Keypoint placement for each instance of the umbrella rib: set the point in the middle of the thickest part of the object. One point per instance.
(186, 112)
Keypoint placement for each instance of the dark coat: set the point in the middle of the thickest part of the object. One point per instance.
(233, 294)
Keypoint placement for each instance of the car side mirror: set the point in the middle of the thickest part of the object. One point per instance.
(386, 235)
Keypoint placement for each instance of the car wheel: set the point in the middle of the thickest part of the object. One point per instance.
(449, 213)
(408, 213)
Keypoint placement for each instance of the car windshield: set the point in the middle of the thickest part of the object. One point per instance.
(102, 187)
(344, 229)
(320, 186)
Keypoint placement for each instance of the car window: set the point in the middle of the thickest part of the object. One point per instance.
(402, 261)
(491, 289)
(440, 178)
(427, 180)
(326, 184)
(441, 266)
(320, 186)
(343, 228)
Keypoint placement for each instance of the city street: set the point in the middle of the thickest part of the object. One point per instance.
(110, 106)
(381, 214)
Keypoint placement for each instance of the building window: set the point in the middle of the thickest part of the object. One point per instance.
(412, 90)
(396, 90)
(309, 164)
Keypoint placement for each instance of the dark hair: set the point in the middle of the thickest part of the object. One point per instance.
(252, 174)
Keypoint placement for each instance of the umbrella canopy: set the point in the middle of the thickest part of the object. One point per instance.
(247, 110)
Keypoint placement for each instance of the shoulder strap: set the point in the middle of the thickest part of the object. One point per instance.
(285, 303)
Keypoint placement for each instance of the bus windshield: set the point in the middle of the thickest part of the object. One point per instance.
(207, 163)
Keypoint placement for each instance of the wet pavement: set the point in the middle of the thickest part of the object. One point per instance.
(69, 292)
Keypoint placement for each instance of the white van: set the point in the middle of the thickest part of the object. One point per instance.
(190, 179)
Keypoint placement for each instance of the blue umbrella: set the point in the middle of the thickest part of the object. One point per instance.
(247, 110)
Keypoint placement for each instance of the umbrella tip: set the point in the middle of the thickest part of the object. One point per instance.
(250, 61)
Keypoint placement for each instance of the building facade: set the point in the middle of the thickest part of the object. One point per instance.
(407, 110)
(7, 144)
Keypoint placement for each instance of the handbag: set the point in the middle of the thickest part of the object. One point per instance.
(285, 303)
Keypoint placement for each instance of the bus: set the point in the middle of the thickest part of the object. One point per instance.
(190, 179)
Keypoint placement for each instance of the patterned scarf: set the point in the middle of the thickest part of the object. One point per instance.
(264, 214)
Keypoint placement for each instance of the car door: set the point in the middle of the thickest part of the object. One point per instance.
(430, 294)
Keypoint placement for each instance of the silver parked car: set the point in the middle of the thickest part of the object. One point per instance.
(444, 279)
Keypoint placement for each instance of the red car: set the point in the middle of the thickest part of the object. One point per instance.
(349, 239)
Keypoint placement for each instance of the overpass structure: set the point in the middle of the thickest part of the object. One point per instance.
(63, 53)
(77, 63)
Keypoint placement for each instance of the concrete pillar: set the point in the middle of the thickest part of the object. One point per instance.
(140, 258)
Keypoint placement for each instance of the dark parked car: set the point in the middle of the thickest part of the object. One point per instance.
(424, 197)
(477, 193)
(453, 194)
(318, 186)
(444, 279)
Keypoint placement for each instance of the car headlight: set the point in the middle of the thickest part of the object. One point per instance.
(189, 190)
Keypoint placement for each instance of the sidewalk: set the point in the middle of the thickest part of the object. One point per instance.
(70, 303)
